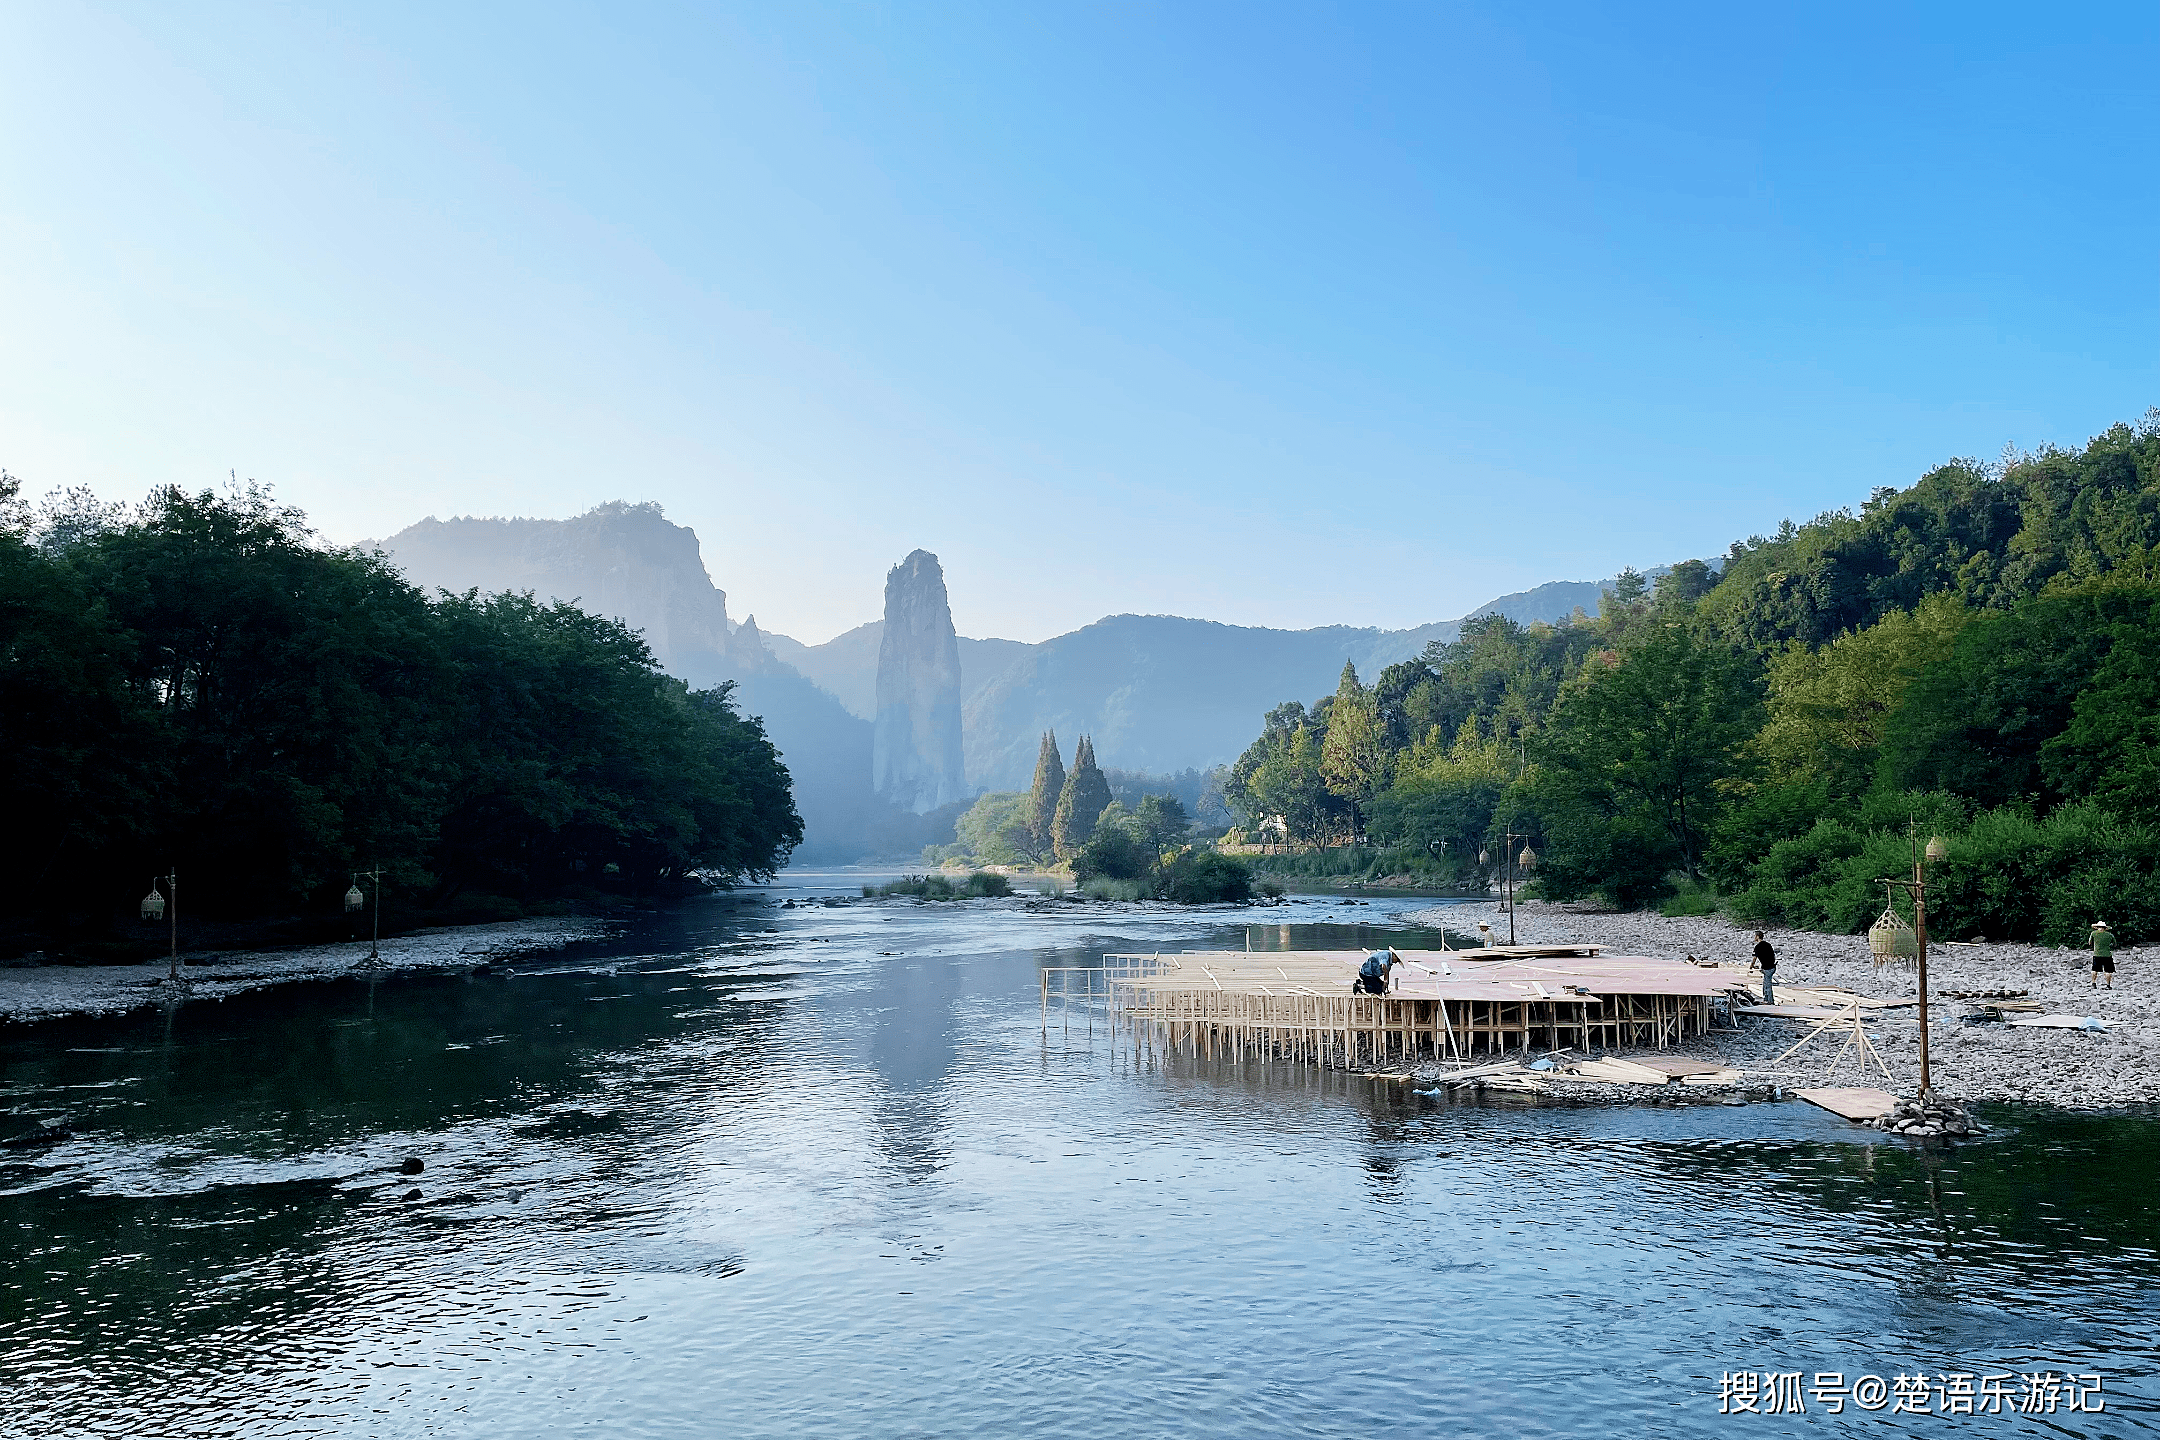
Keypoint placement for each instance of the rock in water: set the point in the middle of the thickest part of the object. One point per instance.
(915, 752)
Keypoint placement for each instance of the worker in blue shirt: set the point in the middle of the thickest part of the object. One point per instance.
(1372, 976)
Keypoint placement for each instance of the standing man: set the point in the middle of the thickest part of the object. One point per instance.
(2103, 948)
(1766, 957)
(1372, 976)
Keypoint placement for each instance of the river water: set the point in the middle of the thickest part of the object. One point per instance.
(749, 1170)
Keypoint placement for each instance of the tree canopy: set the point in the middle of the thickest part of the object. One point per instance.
(1975, 654)
(202, 684)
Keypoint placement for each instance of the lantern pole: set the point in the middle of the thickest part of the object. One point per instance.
(156, 907)
(1917, 889)
(1509, 862)
(353, 902)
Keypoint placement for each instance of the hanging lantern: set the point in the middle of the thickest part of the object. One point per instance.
(1937, 850)
(1891, 937)
(1528, 858)
(353, 897)
(153, 904)
(1484, 857)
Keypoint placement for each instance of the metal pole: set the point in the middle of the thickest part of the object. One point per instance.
(172, 883)
(1920, 930)
(375, 941)
(1509, 874)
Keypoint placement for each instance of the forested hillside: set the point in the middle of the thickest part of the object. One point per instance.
(1977, 656)
(198, 683)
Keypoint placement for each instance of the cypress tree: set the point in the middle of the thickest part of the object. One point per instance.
(1085, 796)
(1353, 755)
(1043, 797)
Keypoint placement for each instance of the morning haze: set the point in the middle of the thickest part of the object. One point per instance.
(831, 720)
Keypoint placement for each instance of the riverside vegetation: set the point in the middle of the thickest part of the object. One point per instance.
(1976, 656)
(200, 684)
(1114, 851)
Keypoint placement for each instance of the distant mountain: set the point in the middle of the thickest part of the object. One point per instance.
(619, 560)
(628, 562)
(1156, 692)
(845, 667)
(1551, 602)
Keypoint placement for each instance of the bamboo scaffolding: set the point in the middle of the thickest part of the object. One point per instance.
(1298, 1005)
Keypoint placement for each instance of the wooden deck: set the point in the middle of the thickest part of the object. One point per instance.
(1446, 1003)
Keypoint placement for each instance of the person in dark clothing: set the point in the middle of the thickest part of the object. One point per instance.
(1372, 976)
(1766, 957)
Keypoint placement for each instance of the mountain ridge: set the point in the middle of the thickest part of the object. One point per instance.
(1157, 692)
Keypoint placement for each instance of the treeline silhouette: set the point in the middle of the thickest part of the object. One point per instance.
(1976, 656)
(199, 683)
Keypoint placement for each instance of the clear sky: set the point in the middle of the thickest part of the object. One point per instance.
(1269, 314)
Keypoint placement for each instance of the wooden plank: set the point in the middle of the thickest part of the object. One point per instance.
(1478, 1071)
(1853, 1103)
(1620, 1072)
(1679, 1067)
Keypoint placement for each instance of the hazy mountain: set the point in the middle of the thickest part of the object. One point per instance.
(915, 751)
(619, 560)
(845, 667)
(630, 563)
(1156, 692)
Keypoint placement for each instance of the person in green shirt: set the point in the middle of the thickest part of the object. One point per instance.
(2103, 948)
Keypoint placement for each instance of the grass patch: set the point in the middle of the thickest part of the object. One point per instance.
(982, 885)
(1692, 899)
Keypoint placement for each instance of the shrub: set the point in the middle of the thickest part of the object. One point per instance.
(1104, 888)
(921, 887)
(2010, 875)
(1112, 853)
(1204, 877)
(979, 886)
(1690, 899)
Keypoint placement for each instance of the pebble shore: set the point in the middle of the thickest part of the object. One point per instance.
(40, 992)
(2071, 1069)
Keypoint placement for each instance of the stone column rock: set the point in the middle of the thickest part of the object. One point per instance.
(915, 751)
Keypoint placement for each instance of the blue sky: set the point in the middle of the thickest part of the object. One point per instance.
(1269, 314)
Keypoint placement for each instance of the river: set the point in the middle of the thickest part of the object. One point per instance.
(742, 1169)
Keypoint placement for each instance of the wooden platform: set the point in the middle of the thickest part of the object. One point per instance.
(1853, 1104)
(1446, 1004)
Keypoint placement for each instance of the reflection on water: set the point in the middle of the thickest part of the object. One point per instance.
(819, 1171)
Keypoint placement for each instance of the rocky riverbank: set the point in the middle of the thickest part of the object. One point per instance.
(2075, 1069)
(39, 992)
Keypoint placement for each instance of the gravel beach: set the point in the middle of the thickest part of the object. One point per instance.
(38, 992)
(2074, 1069)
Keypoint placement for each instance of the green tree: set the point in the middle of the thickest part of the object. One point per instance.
(1444, 796)
(1080, 804)
(1113, 852)
(202, 683)
(2110, 750)
(1353, 756)
(1976, 721)
(1288, 785)
(1160, 821)
(1630, 767)
(1043, 797)
(996, 829)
